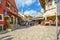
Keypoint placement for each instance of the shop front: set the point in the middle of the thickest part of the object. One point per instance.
(12, 21)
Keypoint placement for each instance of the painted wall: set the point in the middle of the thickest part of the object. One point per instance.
(4, 8)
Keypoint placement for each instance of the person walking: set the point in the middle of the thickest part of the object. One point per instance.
(26, 23)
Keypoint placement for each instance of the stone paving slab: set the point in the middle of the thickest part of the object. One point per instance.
(37, 32)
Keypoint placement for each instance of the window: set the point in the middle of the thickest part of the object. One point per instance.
(11, 20)
(1, 17)
(49, 3)
(15, 10)
(0, 1)
(0, 28)
(55, 1)
(8, 5)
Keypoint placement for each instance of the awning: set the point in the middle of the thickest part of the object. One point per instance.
(50, 13)
(38, 18)
(39, 15)
(22, 16)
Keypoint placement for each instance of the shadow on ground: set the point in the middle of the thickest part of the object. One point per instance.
(23, 27)
(8, 37)
(59, 32)
(3, 32)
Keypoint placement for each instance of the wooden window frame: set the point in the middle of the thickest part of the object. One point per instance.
(2, 17)
(1, 26)
(7, 3)
(0, 1)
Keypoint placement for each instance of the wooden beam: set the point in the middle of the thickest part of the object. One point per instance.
(42, 2)
(50, 9)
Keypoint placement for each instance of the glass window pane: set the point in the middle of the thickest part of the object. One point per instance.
(0, 17)
(0, 28)
(8, 5)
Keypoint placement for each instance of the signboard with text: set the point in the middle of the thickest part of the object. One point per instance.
(5, 13)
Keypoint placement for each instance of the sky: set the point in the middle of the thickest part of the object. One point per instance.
(28, 7)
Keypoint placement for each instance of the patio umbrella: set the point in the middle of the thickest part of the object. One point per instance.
(22, 16)
(39, 15)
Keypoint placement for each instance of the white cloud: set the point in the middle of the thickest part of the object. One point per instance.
(30, 12)
(19, 12)
(25, 2)
(42, 10)
(38, 4)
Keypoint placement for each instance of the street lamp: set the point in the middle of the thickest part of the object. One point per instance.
(56, 26)
(57, 13)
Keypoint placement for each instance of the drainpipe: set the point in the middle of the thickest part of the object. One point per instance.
(56, 26)
(57, 32)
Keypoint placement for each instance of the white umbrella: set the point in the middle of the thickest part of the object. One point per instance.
(22, 16)
(38, 15)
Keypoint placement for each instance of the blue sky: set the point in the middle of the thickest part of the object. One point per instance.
(29, 7)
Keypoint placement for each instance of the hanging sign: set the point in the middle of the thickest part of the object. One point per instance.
(5, 13)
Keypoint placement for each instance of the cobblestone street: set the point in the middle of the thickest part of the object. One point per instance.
(37, 32)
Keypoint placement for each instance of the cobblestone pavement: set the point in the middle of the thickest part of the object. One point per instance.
(37, 32)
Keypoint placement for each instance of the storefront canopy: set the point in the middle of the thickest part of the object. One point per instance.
(50, 13)
(22, 16)
(37, 18)
(38, 15)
